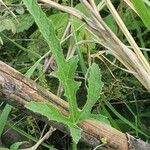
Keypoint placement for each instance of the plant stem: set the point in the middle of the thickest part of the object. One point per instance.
(74, 145)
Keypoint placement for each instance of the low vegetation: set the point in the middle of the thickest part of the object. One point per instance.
(98, 63)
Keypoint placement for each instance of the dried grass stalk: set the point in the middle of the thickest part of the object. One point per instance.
(134, 61)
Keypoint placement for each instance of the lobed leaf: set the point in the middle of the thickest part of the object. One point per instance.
(94, 88)
(53, 114)
(66, 69)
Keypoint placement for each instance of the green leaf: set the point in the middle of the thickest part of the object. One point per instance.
(82, 8)
(46, 110)
(24, 22)
(94, 88)
(53, 114)
(111, 23)
(60, 20)
(97, 117)
(143, 11)
(75, 132)
(7, 24)
(66, 69)
(16, 145)
(4, 116)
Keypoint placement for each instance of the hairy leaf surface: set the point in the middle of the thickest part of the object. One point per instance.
(66, 69)
(53, 114)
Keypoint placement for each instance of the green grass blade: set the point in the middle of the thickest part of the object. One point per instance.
(30, 51)
(4, 116)
(28, 136)
(143, 11)
(124, 119)
(32, 69)
(112, 121)
(81, 59)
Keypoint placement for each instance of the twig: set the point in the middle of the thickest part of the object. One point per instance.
(45, 137)
(17, 90)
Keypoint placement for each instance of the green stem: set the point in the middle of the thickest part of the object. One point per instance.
(74, 145)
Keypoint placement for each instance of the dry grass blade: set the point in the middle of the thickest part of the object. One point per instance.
(128, 36)
(45, 137)
(70, 10)
(134, 62)
(128, 2)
